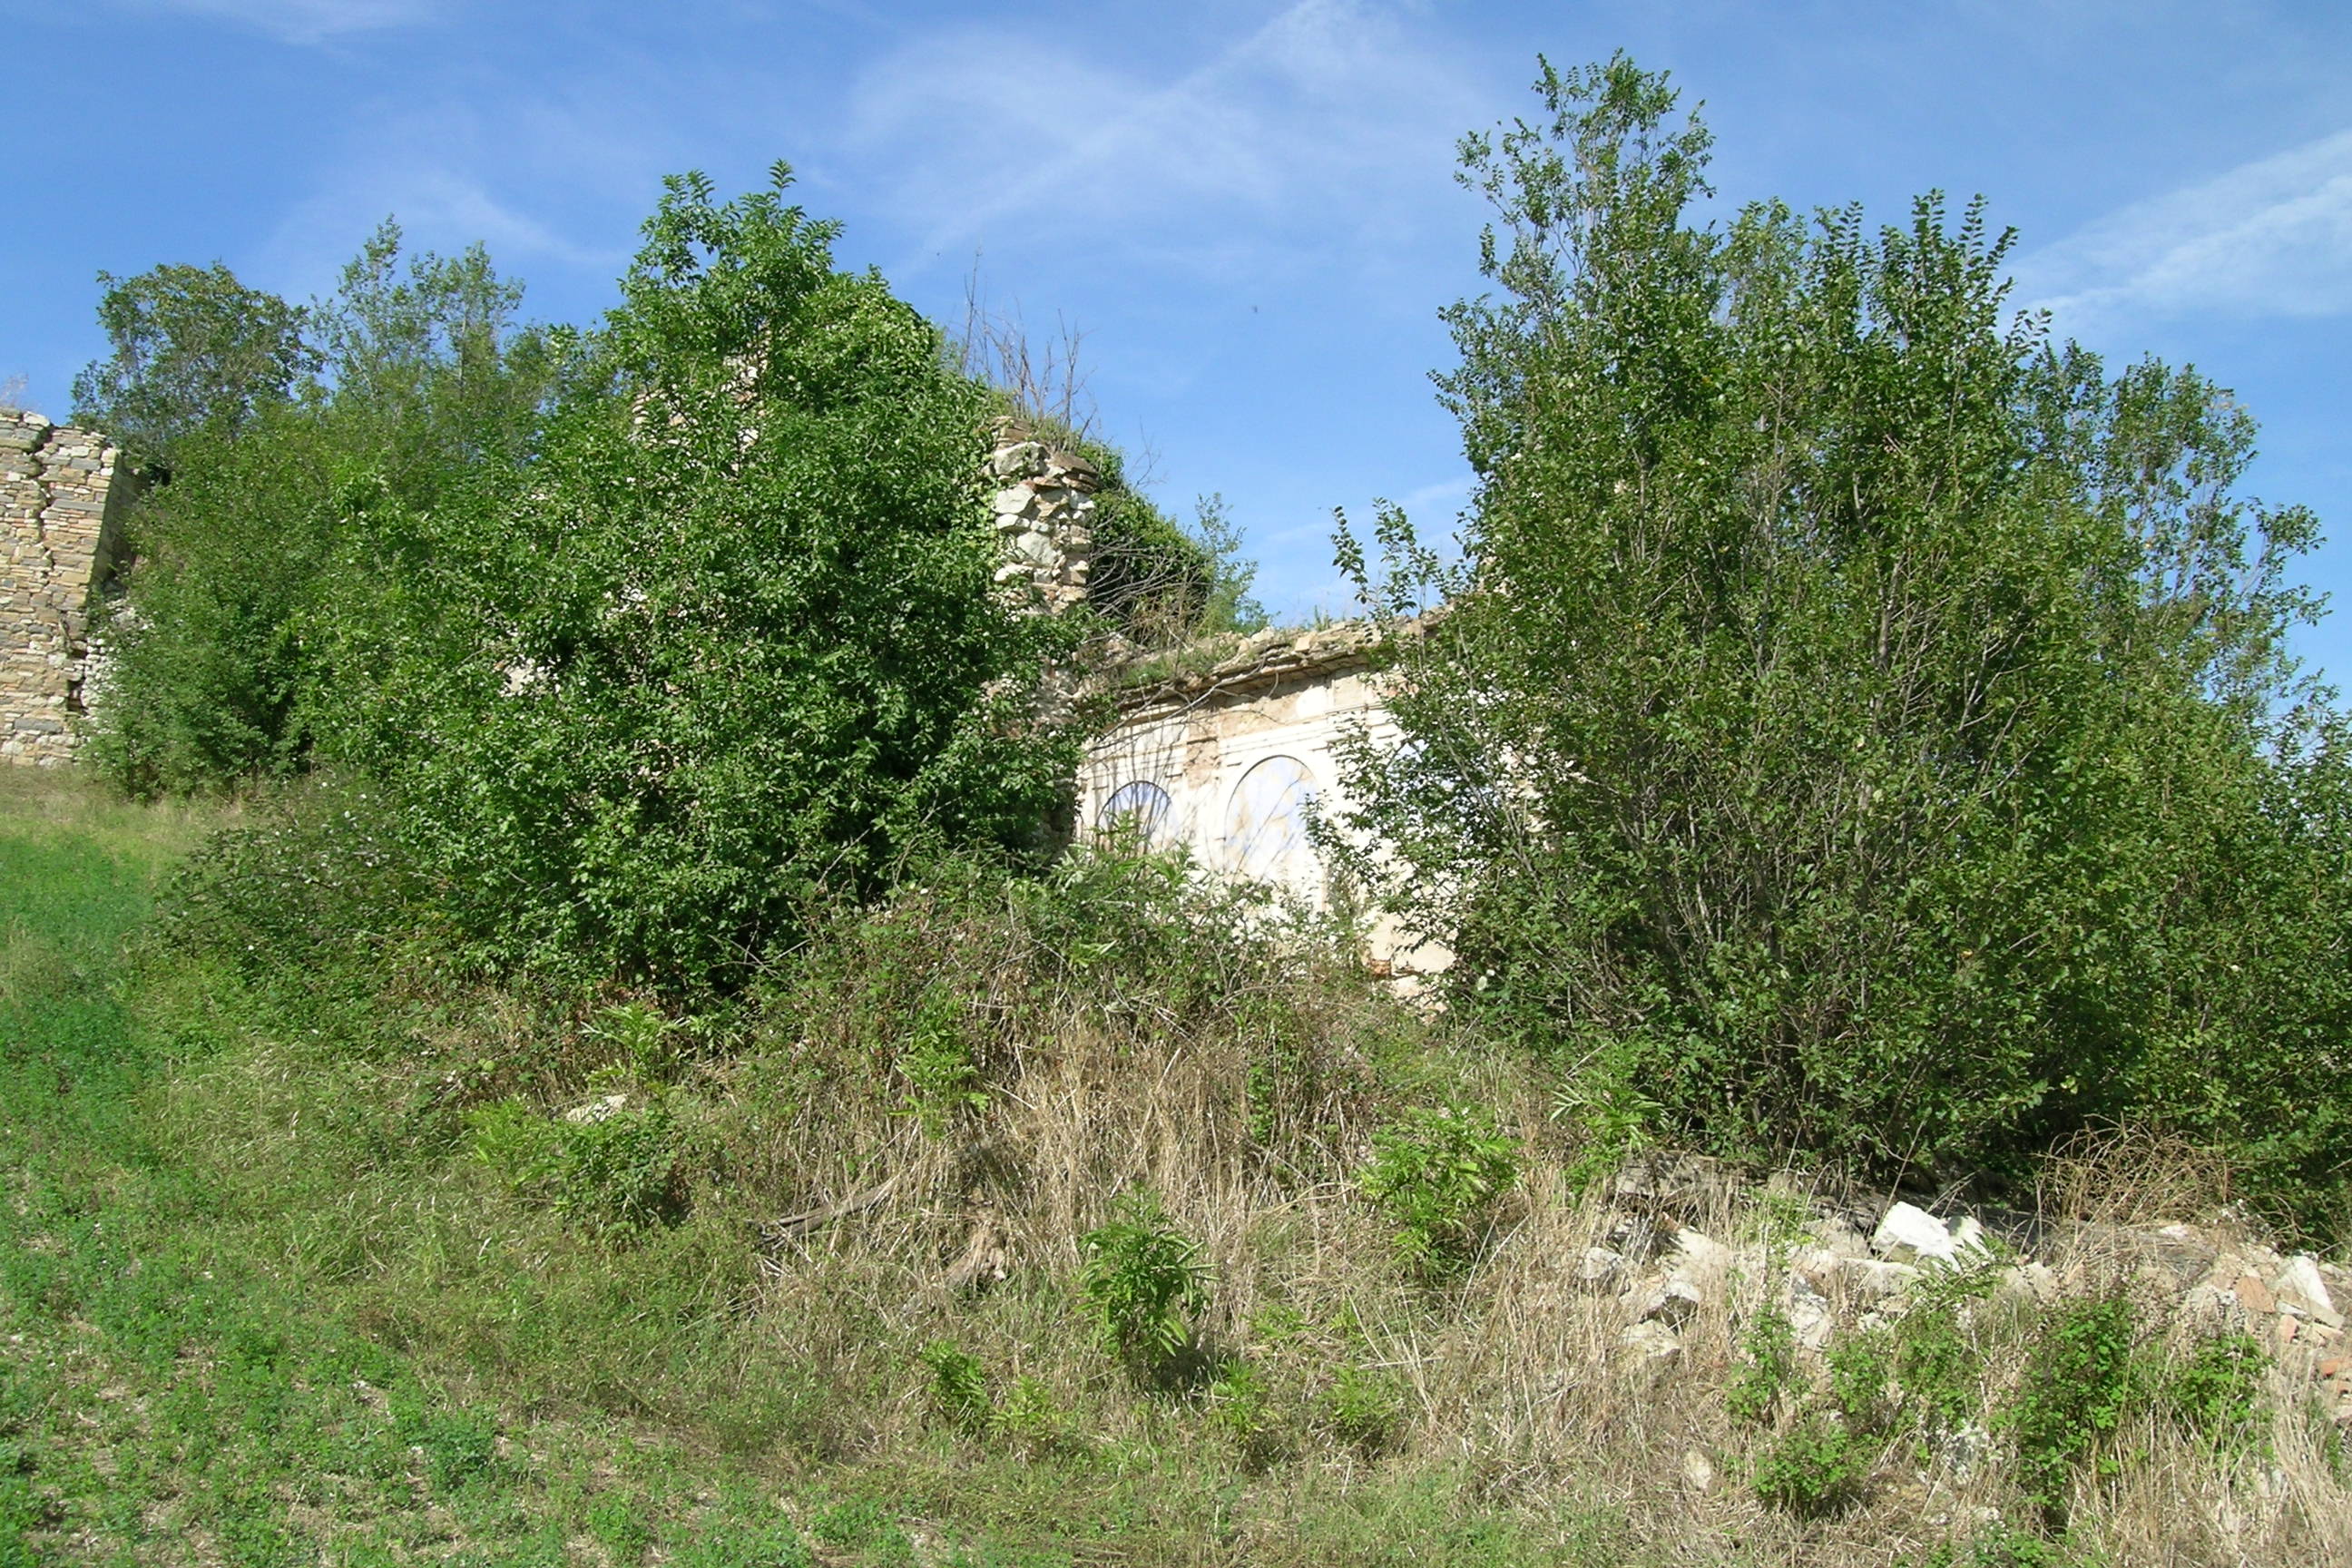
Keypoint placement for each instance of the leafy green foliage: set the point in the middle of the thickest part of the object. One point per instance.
(1861, 1374)
(1822, 1461)
(1937, 1361)
(195, 355)
(1816, 1467)
(736, 645)
(1770, 1347)
(2082, 1377)
(1034, 1421)
(1438, 1173)
(936, 1061)
(728, 1543)
(622, 1173)
(2217, 1390)
(1144, 1286)
(959, 1385)
(408, 395)
(616, 1171)
(863, 1524)
(459, 1445)
(1857, 720)
(645, 1039)
(1157, 581)
(1241, 1405)
(1363, 1407)
(730, 648)
(2001, 1546)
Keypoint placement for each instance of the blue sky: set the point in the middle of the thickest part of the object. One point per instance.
(1246, 207)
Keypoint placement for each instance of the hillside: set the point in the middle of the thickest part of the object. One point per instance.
(299, 1268)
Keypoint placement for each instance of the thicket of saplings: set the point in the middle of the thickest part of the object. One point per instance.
(1857, 739)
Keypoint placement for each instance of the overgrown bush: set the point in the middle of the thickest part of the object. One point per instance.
(1858, 722)
(734, 649)
(290, 446)
(1159, 582)
(1437, 1174)
(1145, 1287)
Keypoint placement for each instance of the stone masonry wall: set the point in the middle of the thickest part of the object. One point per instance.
(60, 519)
(1044, 505)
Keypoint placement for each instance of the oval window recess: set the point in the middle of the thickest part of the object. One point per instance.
(1266, 826)
(1141, 808)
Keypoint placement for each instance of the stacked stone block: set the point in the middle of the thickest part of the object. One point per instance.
(60, 505)
(1044, 506)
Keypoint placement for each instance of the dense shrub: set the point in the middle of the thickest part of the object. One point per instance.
(282, 439)
(734, 645)
(1858, 723)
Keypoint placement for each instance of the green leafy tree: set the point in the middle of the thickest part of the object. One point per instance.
(732, 647)
(254, 560)
(1858, 722)
(430, 363)
(194, 354)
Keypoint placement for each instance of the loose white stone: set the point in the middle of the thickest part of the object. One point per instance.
(1907, 1226)
(1675, 1302)
(1652, 1341)
(1599, 1266)
(2299, 1279)
(1811, 1317)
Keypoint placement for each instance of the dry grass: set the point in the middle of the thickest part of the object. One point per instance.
(1515, 1380)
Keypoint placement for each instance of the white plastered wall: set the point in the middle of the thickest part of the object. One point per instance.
(1232, 767)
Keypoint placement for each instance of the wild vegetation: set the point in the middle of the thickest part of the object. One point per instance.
(1861, 726)
(587, 1045)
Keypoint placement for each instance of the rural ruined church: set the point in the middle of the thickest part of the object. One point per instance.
(1223, 758)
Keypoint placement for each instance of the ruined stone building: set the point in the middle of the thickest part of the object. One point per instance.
(1224, 753)
(1229, 757)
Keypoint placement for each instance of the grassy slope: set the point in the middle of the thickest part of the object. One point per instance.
(164, 1396)
(259, 1307)
(264, 1303)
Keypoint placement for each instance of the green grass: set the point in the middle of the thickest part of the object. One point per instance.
(165, 1395)
(260, 1303)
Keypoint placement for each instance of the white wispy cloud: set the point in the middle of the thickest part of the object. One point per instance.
(2269, 238)
(452, 176)
(1456, 489)
(437, 210)
(1290, 127)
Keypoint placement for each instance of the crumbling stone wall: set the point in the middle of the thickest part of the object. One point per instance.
(61, 500)
(1044, 510)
